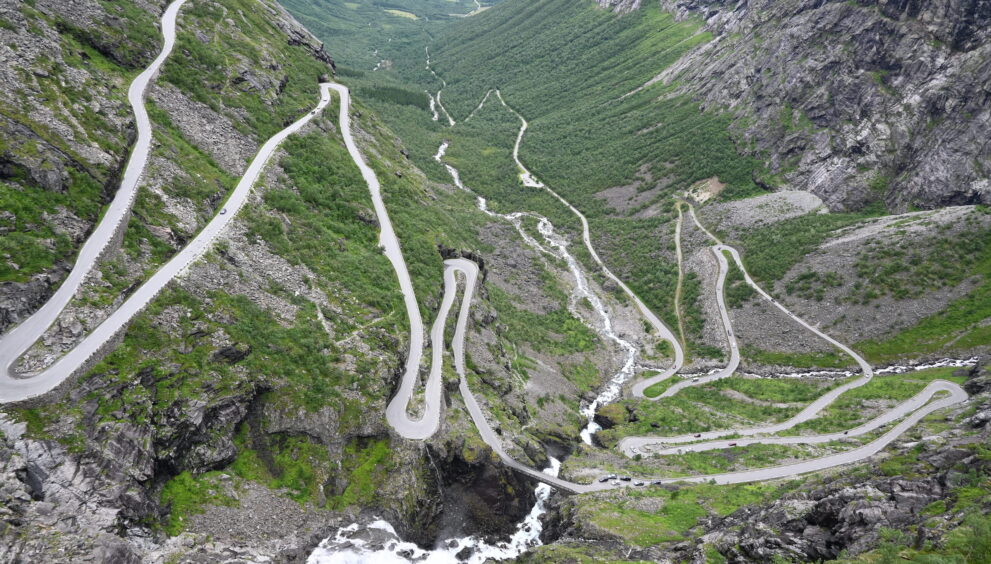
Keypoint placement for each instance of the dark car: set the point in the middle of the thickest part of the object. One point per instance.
(732, 444)
(697, 435)
(625, 478)
(607, 477)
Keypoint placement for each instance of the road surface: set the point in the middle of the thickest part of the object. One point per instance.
(14, 343)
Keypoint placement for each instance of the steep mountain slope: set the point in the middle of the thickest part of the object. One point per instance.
(253, 388)
(627, 115)
(854, 101)
(241, 415)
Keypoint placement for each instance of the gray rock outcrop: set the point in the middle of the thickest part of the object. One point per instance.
(857, 102)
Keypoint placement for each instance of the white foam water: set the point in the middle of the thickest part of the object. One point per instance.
(378, 543)
(558, 247)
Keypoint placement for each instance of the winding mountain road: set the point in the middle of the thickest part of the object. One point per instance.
(531, 181)
(16, 342)
(910, 412)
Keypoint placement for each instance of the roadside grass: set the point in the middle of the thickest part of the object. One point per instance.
(852, 408)
(659, 388)
(731, 459)
(738, 292)
(777, 389)
(694, 409)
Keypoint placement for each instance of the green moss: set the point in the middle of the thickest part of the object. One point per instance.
(186, 495)
(364, 467)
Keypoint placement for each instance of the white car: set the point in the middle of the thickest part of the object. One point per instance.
(223, 211)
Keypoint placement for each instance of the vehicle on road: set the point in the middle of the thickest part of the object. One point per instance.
(223, 211)
(697, 435)
(625, 478)
(695, 379)
(732, 444)
(607, 477)
(638, 483)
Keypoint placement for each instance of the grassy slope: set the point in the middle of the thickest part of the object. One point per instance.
(354, 30)
(111, 56)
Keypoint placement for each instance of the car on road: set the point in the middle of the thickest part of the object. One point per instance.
(625, 478)
(638, 483)
(695, 379)
(223, 211)
(607, 477)
(697, 435)
(732, 444)
(657, 482)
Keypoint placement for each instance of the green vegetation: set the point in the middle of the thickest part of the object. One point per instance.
(732, 459)
(738, 292)
(911, 268)
(359, 34)
(679, 512)
(694, 409)
(850, 409)
(556, 332)
(365, 465)
(204, 70)
(614, 136)
(812, 285)
(776, 389)
(186, 495)
(585, 376)
(330, 232)
(967, 543)
(32, 245)
(564, 43)
(962, 324)
(659, 388)
(395, 95)
(770, 252)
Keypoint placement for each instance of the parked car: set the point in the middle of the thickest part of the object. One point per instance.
(732, 444)
(638, 483)
(607, 477)
(223, 211)
(625, 478)
(697, 435)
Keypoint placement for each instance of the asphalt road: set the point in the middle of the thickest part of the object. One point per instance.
(912, 411)
(14, 343)
(18, 340)
(24, 335)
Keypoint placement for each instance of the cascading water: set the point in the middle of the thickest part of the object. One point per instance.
(558, 247)
(378, 543)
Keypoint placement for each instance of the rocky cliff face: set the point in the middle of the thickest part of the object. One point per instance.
(857, 102)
